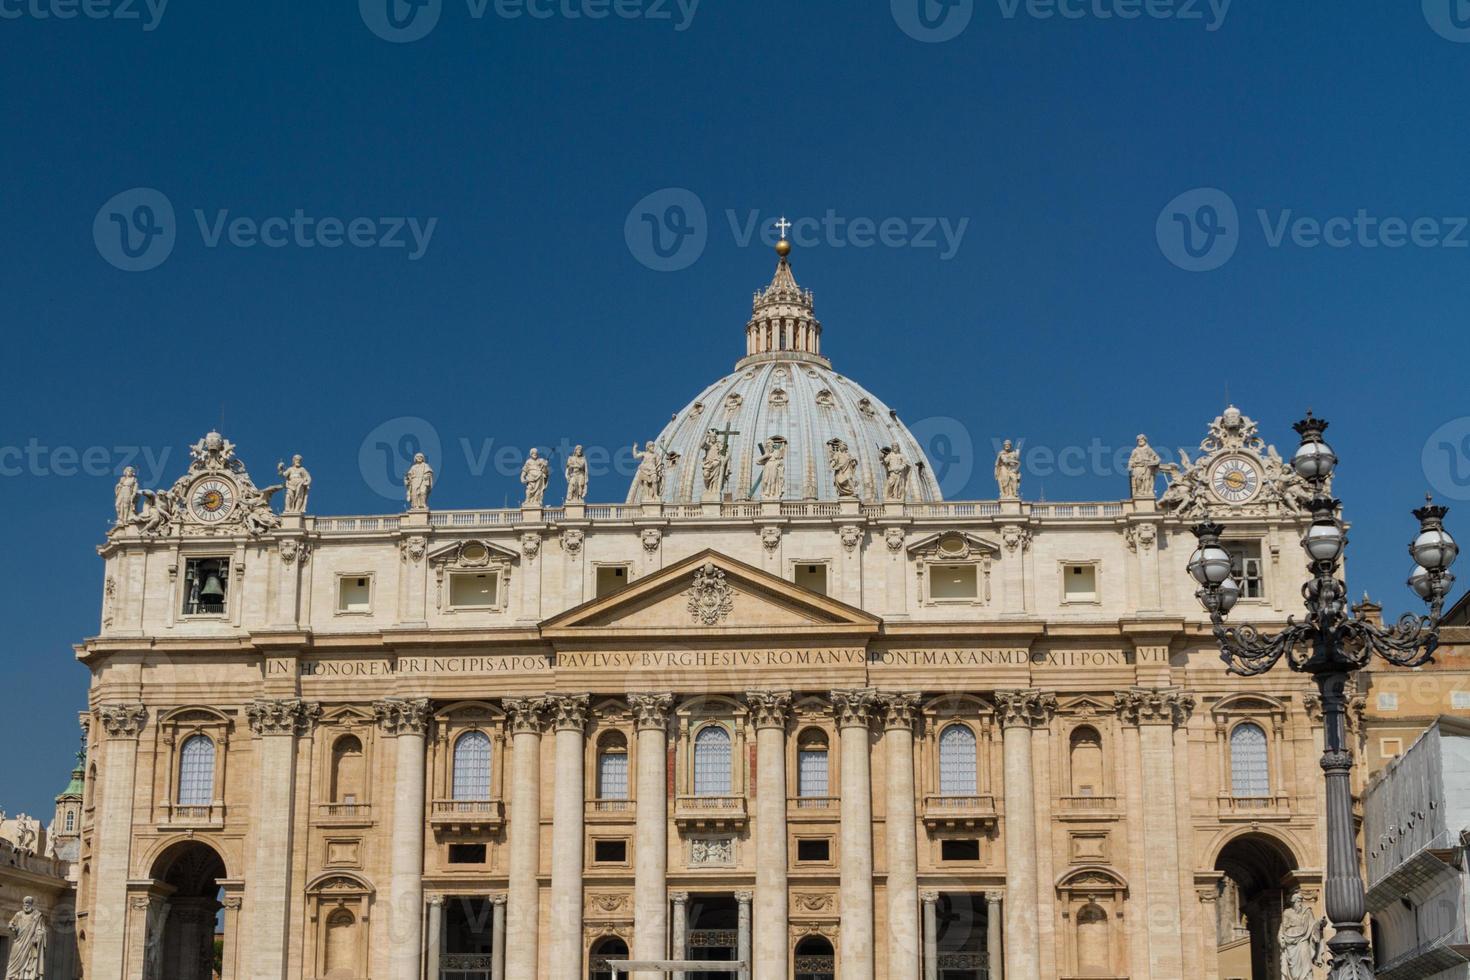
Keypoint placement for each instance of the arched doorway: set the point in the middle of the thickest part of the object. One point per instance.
(611, 948)
(1259, 874)
(815, 959)
(179, 941)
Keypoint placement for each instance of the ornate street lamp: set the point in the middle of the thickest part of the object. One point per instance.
(1331, 645)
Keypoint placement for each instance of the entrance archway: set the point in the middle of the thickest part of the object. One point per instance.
(179, 939)
(815, 959)
(1259, 874)
(611, 948)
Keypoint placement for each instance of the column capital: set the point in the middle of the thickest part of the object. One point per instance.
(900, 709)
(436, 901)
(499, 898)
(282, 716)
(744, 898)
(402, 716)
(524, 715)
(1025, 708)
(928, 896)
(1148, 706)
(679, 898)
(769, 708)
(994, 898)
(853, 708)
(568, 712)
(651, 711)
(123, 720)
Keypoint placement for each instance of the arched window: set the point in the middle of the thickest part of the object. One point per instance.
(1249, 771)
(71, 820)
(1094, 947)
(1087, 761)
(815, 959)
(196, 771)
(812, 777)
(472, 766)
(712, 762)
(957, 761)
(341, 954)
(612, 767)
(347, 770)
(611, 948)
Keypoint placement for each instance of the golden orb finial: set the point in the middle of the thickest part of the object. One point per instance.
(783, 248)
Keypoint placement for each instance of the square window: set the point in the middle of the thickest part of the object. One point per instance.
(954, 582)
(466, 853)
(819, 849)
(1390, 747)
(1079, 583)
(206, 585)
(611, 578)
(610, 852)
(963, 849)
(1460, 699)
(1245, 568)
(813, 577)
(473, 590)
(354, 593)
(1388, 701)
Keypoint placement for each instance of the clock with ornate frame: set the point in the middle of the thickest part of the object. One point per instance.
(1235, 479)
(212, 499)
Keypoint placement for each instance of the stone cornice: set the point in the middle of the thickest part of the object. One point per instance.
(282, 716)
(769, 709)
(1025, 708)
(402, 716)
(122, 720)
(900, 710)
(651, 711)
(524, 716)
(853, 708)
(568, 712)
(1146, 706)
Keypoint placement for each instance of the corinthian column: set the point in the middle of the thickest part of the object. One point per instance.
(108, 925)
(651, 847)
(903, 857)
(1157, 713)
(406, 721)
(856, 882)
(568, 720)
(769, 708)
(524, 900)
(1019, 711)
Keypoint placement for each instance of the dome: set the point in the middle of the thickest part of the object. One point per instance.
(784, 390)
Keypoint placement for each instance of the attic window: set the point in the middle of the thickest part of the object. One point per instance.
(611, 578)
(813, 577)
(354, 593)
(473, 590)
(954, 582)
(1079, 583)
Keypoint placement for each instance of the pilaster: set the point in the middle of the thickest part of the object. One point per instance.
(406, 722)
(1019, 711)
(122, 724)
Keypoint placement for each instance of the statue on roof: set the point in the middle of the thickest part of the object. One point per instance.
(1008, 472)
(772, 462)
(576, 474)
(418, 483)
(896, 466)
(298, 484)
(125, 497)
(1143, 469)
(844, 468)
(535, 474)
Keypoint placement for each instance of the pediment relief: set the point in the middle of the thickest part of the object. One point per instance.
(710, 591)
(953, 546)
(346, 716)
(473, 553)
(1087, 706)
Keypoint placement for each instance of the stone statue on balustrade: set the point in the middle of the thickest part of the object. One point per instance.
(576, 474)
(298, 484)
(1303, 949)
(29, 938)
(844, 468)
(896, 483)
(650, 476)
(535, 474)
(1008, 472)
(125, 497)
(715, 464)
(772, 462)
(1143, 469)
(418, 483)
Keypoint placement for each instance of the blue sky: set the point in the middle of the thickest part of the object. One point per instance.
(530, 306)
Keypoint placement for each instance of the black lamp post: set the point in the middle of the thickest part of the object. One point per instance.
(1331, 645)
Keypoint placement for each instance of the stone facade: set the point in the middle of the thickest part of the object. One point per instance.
(877, 735)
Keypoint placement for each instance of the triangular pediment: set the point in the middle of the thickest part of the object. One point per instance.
(710, 594)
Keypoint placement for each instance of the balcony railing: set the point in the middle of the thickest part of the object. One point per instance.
(611, 809)
(952, 811)
(467, 815)
(1253, 807)
(193, 815)
(709, 811)
(1089, 804)
(815, 802)
(344, 813)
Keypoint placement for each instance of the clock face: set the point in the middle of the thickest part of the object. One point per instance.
(212, 500)
(1235, 480)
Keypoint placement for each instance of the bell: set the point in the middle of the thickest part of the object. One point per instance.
(212, 593)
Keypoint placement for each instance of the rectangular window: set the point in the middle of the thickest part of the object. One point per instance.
(206, 585)
(611, 578)
(811, 772)
(814, 850)
(954, 582)
(1390, 747)
(612, 776)
(466, 853)
(1079, 583)
(1460, 699)
(1388, 701)
(610, 851)
(473, 590)
(354, 594)
(813, 577)
(1245, 568)
(959, 850)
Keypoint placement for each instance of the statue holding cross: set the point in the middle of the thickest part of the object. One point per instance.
(716, 464)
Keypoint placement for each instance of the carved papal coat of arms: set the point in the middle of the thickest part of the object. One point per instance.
(710, 598)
